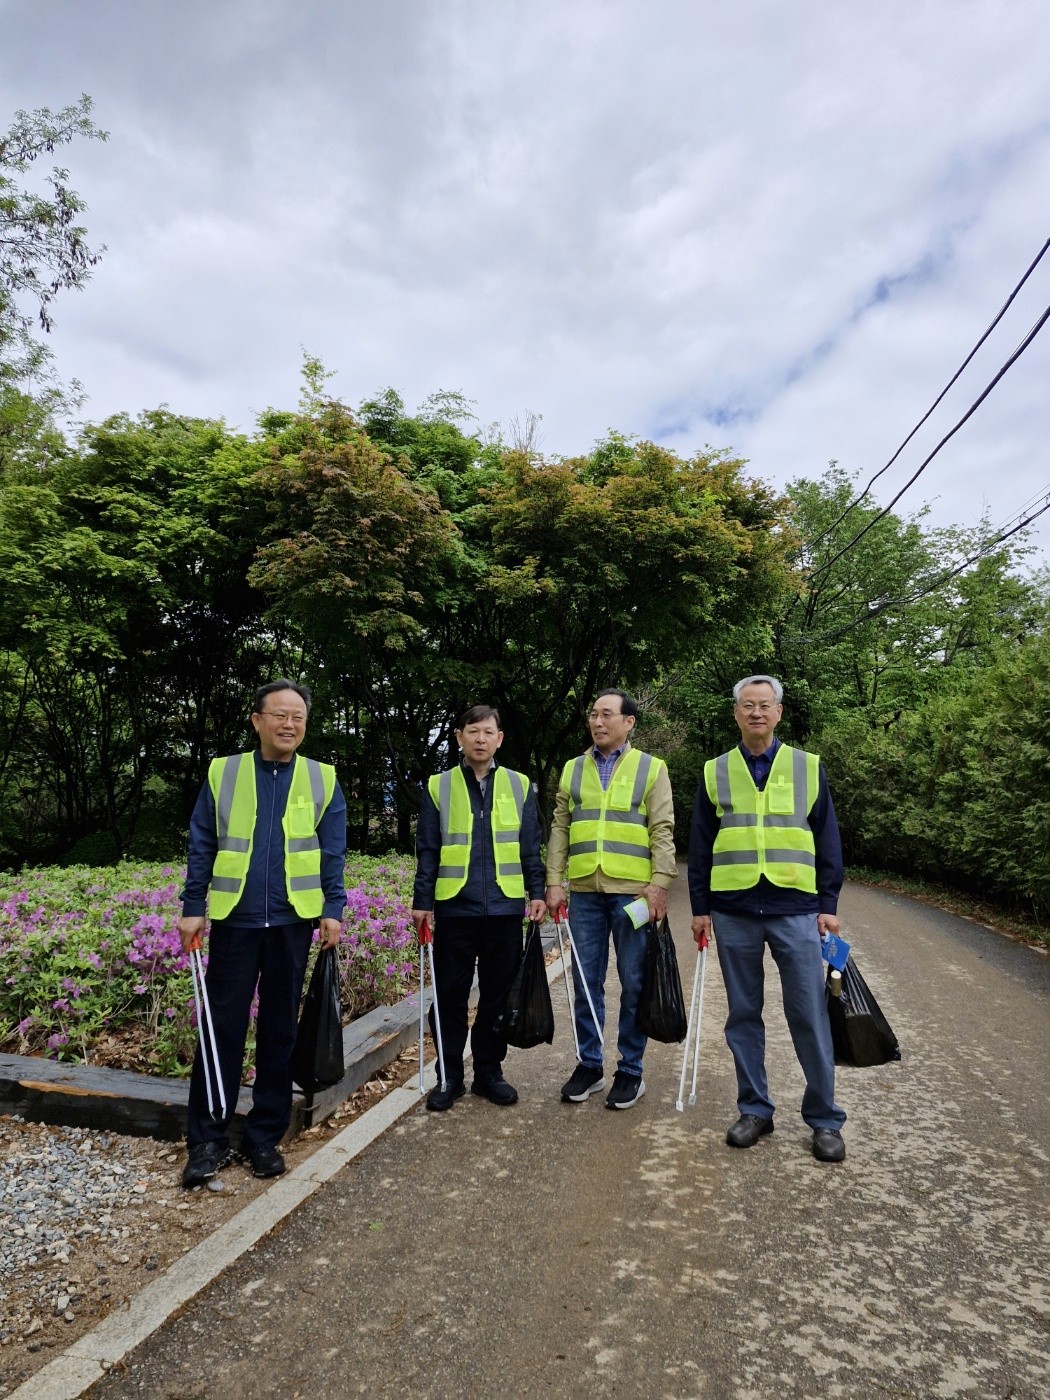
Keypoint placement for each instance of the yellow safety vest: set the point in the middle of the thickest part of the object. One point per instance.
(609, 827)
(232, 782)
(448, 792)
(768, 832)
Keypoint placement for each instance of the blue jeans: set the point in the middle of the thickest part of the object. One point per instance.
(795, 944)
(593, 917)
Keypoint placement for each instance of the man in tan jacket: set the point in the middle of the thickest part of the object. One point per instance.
(612, 836)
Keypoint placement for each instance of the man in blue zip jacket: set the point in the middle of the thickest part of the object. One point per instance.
(765, 867)
(477, 862)
(268, 846)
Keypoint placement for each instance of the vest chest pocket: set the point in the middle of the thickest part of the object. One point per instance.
(299, 815)
(506, 813)
(780, 797)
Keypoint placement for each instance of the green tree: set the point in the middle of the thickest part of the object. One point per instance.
(43, 249)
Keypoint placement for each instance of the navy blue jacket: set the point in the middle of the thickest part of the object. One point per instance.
(480, 896)
(264, 901)
(765, 898)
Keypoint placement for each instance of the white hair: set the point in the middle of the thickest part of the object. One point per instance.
(771, 681)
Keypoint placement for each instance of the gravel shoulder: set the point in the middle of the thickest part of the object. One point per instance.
(88, 1218)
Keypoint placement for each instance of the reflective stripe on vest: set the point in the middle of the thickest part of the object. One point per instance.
(448, 792)
(232, 782)
(609, 827)
(768, 832)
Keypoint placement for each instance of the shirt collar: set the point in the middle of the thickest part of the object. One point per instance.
(599, 757)
(769, 753)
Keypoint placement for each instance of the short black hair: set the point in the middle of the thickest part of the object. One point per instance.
(628, 705)
(478, 714)
(281, 684)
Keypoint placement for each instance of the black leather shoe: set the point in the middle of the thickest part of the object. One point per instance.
(206, 1160)
(440, 1100)
(747, 1130)
(828, 1145)
(496, 1089)
(265, 1161)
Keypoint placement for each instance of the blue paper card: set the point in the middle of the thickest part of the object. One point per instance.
(836, 951)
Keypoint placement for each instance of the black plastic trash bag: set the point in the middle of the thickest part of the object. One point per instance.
(317, 1059)
(661, 1010)
(860, 1032)
(527, 1017)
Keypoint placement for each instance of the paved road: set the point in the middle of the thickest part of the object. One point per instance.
(565, 1250)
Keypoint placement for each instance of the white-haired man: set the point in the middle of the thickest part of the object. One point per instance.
(765, 866)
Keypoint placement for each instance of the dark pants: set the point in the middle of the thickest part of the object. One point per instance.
(238, 960)
(494, 945)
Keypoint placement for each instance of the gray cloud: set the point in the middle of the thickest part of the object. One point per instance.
(772, 227)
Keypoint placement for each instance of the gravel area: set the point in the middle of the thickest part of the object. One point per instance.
(88, 1218)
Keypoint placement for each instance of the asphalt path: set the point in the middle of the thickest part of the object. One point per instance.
(566, 1250)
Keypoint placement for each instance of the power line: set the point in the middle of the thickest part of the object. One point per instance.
(811, 544)
(1019, 521)
(1025, 343)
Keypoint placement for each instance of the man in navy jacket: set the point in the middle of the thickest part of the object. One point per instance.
(477, 924)
(262, 943)
(765, 866)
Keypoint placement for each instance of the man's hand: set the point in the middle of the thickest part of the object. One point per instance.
(418, 915)
(329, 929)
(537, 910)
(701, 928)
(190, 927)
(656, 898)
(827, 923)
(555, 898)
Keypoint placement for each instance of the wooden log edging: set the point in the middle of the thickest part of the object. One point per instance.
(145, 1105)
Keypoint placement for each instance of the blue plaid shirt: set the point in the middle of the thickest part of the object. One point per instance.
(605, 765)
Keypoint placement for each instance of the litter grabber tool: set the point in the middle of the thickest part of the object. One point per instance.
(562, 917)
(206, 1033)
(565, 979)
(426, 941)
(696, 1013)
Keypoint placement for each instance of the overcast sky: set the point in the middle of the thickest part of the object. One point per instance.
(777, 227)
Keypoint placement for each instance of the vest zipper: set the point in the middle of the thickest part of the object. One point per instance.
(269, 844)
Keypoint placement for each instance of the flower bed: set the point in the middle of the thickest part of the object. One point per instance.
(91, 967)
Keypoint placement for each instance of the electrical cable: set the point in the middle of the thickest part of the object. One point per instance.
(1005, 532)
(810, 544)
(1022, 347)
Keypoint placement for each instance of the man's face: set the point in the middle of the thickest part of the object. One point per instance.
(758, 714)
(609, 726)
(480, 741)
(280, 725)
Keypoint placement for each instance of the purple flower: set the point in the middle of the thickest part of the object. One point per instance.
(56, 1041)
(24, 1027)
(60, 1005)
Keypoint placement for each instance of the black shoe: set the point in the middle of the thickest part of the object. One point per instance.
(828, 1145)
(206, 1160)
(494, 1088)
(265, 1161)
(626, 1090)
(747, 1130)
(585, 1081)
(439, 1100)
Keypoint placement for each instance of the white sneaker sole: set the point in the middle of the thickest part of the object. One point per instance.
(630, 1102)
(596, 1088)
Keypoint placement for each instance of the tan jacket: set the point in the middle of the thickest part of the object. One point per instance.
(660, 805)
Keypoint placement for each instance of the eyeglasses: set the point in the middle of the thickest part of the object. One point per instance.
(281, 716)
(763, 707)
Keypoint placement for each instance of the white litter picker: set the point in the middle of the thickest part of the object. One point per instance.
(696, 1013)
